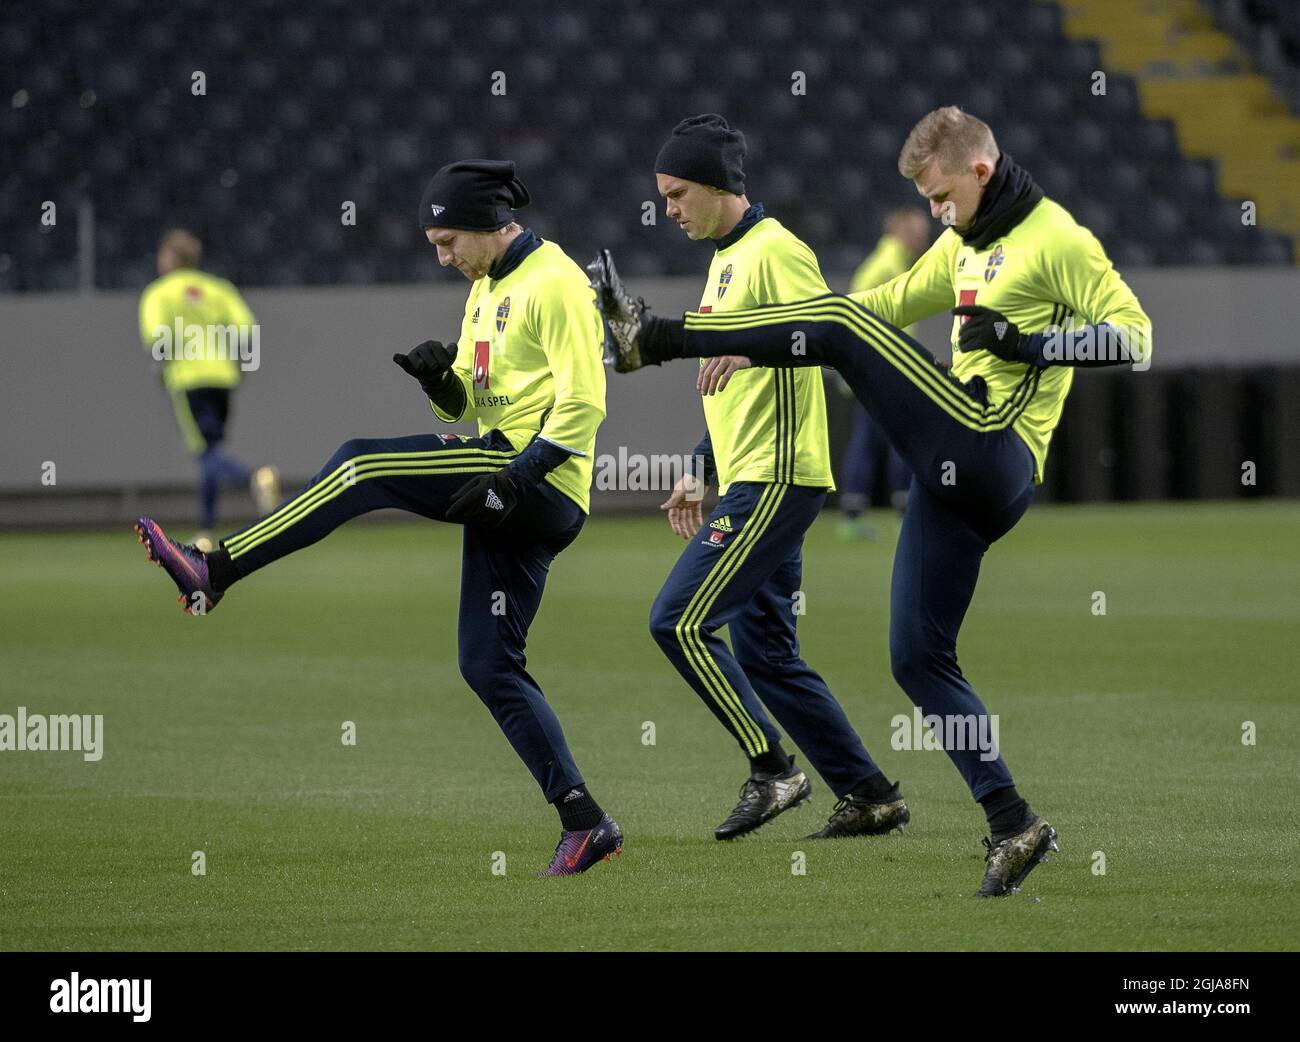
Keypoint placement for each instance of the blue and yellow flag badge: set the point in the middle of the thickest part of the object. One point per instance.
(995, 262)
(724, 280)
(503, 315)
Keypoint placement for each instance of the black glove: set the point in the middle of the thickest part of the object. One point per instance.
(485, 500)
(989, 330)
(429, 362)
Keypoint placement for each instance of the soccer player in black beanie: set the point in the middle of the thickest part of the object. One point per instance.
(765, 447)
(530, 373)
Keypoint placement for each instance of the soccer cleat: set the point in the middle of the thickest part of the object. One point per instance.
(265, 486)
(187, 566)
(621, 313)
(761, 800)
(855, 817)
(579, 849)
(1014, 858)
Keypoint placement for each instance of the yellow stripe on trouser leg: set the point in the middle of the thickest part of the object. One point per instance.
(878, 335)
(345, 474)
(706, 669)
(194, 440)
(359, 468)
(954, 401)
(697, 609)
(335, 486)
(319, 489)
(702, 603)
(424, 470)
(889, 343)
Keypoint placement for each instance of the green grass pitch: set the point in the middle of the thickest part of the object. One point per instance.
(223, 734)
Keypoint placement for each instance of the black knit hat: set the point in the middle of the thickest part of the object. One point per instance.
(474, 195)
(706, 150)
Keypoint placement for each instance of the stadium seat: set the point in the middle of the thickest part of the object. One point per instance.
(373, 99)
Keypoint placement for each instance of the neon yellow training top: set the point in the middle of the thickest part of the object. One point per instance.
(529, 358)
(1045, 272)
(211, 314)
(767, 425)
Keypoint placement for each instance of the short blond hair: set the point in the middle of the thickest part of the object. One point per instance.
(950, 135)
(184, 244)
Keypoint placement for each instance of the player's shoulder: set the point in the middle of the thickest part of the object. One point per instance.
(947, 242)
(776, 235)
(943, 251)
(773, 244)
(549, 263)
(217, 285)
(197, 277)
(892, 253)
(1051, 218)
(1053, 225)
(165, 285)
(553, 275)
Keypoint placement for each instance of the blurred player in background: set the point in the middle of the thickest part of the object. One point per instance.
(869, 453)
(530, 372)
(201, 384)
(975, 434)
(765, 446)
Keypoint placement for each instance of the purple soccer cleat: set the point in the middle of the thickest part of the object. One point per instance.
(187, 566)
(578, 850)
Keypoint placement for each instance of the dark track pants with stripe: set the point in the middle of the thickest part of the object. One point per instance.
(503, 570)
(748, 579)
(202, 413)
(972, 480)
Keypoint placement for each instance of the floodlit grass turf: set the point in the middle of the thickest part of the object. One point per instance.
(222, 734)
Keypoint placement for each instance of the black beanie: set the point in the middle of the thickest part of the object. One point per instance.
(473, 195)
(706, 150)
